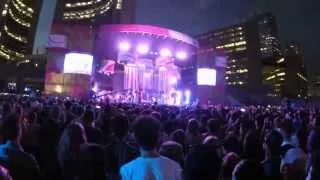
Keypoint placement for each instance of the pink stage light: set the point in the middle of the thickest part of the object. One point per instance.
(165, 52)
(181, 55)
(143, 48)
(124, 46)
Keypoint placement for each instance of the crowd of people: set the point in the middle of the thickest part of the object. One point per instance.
(56, 138)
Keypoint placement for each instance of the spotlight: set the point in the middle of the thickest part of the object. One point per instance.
(182, 55)
(165, 52)
(187, 94)
(124, 46)
(178, 98)
(143, 48)
(173, 81)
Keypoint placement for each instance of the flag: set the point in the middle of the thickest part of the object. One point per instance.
(108, 67)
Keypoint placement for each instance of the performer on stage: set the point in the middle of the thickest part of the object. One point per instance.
(139, 94)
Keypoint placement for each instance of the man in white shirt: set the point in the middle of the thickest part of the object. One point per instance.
(150, 165)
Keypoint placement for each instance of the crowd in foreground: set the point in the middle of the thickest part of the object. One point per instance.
(45, 138)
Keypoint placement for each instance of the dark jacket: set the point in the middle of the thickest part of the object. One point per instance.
(20, 164)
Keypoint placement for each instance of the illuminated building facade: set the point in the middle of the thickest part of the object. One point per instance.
(19, 19)
(95, 12)
(249, 46)
(17, 28)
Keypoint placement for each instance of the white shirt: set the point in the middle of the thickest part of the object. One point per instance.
(158, 168)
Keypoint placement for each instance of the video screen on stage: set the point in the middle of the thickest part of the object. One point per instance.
(206, 77)
(77, 63)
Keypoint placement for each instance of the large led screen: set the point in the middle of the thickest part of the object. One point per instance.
(77, 63)
(206, 77)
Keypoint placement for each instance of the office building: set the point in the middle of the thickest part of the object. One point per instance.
(95, 12)
(26, 24)
(248, 45)
(19, 20)
(296, 78)
(17, 27)
(314, 86)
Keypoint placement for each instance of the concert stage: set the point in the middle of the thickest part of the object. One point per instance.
(130, 63)
(144, 61)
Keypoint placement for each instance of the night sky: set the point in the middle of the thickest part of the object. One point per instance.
(298, 19)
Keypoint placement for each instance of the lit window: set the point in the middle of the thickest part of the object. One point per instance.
(302, 77)
(15, 36)
(18, 20)
(22, 8)
(241, 48)
(271, 77)
(4, 12)
(119, 4)
(5, 55)
(11, 52)
(21, 4)
(87, 13)
(277, 70)
(263, 49)
(241, 43)
(281, 74)
(242, 71)
(81, 4)
(229, 45)
(280, 60)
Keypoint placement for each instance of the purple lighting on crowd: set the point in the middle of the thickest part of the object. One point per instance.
(143, 48)
(181, 55)
(124, 46)
(165, 52)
